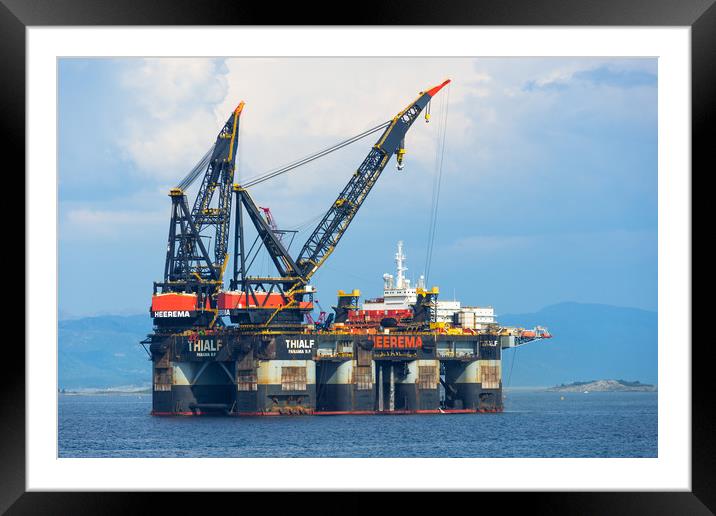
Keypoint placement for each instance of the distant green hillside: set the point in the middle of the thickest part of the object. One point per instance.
(99, 352)
(590, 341)
(604, 386)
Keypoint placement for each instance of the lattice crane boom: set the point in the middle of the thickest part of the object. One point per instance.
(187, 257)
(330, 229)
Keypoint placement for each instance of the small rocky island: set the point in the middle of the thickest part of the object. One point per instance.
(604, 386)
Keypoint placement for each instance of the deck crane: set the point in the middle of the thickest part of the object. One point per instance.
(192, 276)
(280, 233)
(270, 220)
(320, 322)
(284, 300)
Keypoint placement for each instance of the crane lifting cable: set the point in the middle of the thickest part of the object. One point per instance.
(295, 164)
(439, 157)
(308, 223)
(197, 170)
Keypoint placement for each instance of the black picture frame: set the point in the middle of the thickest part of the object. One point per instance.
(700, 15)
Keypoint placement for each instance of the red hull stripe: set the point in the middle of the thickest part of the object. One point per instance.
(341, 413)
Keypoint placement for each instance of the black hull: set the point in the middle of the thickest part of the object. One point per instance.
(240, 375)
(345, 398)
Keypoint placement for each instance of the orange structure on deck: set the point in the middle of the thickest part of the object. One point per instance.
(233, 299)
(174, 301)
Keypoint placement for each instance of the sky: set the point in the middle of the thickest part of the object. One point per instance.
(548, 175)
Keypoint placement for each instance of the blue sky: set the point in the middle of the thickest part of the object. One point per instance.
(548, 193)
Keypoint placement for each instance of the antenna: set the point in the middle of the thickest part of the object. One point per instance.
(400, 261)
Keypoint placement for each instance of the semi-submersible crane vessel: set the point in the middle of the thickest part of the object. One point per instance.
(404, 353)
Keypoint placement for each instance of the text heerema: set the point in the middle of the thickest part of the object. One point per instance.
(172, 313)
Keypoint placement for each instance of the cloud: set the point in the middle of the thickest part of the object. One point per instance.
(127, 218)
(174, 121)
(618, 78)
(167, 86)
(602, 75)
(623, 243)
(89, 223)
(556, 79)
(300, 105)
(296, 106)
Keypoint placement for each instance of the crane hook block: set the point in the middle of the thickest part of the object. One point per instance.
(400, 153)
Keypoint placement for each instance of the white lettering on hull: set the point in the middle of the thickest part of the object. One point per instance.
(171, 313)
(299, 346)
(204, 345)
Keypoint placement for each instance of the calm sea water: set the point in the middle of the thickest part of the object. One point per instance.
(534, 424)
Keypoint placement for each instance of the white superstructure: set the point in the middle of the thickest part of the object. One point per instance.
(398, 294)
(446, 310)
(475, 317)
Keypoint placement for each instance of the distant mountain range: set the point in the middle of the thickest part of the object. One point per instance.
(590, 341)
(103, 351)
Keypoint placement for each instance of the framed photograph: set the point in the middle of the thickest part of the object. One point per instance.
(459, 243)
